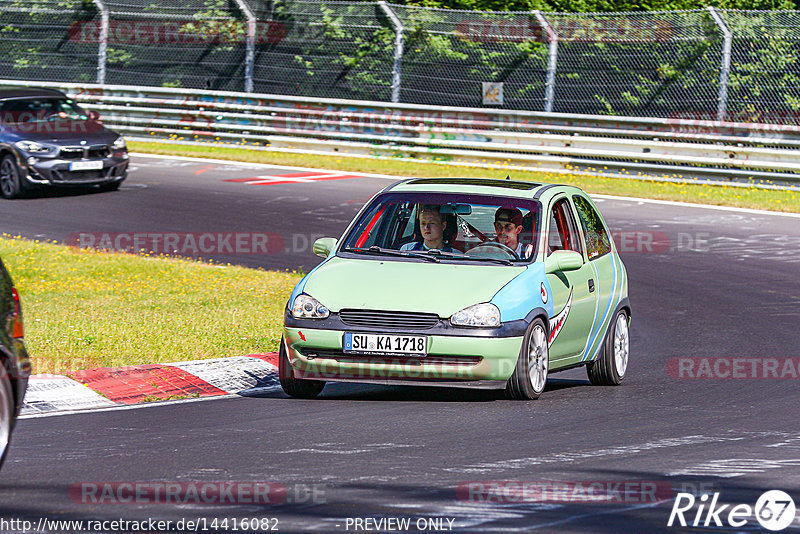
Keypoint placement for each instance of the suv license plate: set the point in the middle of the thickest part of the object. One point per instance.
(86, 165)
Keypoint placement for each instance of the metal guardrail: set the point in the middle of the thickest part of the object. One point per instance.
(513, 139)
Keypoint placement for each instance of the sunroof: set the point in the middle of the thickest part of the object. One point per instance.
(508, 184)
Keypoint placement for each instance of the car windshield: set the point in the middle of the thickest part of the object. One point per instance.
(447, 227)
(27, 110)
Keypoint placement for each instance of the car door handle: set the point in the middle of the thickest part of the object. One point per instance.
(591, 285)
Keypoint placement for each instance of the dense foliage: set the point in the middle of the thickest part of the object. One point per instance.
(645, 63)
(587, 6)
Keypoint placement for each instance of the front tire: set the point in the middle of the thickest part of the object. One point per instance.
(295, 387)
(609, 369)
(11, 182)
(530, 374)
(6, 412)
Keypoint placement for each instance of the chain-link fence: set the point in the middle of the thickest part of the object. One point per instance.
(701, 64)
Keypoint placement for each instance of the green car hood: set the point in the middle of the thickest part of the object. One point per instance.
(440, 288)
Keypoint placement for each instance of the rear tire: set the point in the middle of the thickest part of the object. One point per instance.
(609, 369)
(11, 183)
(295, 387)
(530, 374)
(7, 411)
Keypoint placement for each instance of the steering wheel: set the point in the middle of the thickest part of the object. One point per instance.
(492, 245)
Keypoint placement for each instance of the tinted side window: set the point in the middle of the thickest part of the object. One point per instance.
(597, 241)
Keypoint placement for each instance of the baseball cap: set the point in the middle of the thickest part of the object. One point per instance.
(508, 215)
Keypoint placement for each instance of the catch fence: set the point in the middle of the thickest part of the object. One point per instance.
(705, 64)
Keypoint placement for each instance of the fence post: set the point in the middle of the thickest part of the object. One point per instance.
(398, 49)
(250, 46)
(102, 49)
(552, 57)
(725, 68)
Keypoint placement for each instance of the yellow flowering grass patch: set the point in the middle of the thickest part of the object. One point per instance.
(86, 309)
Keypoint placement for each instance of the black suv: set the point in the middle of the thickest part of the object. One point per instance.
(47, 139)
(15, 366)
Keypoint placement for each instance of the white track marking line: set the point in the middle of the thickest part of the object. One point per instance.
(136, 406)
(268, 166)
(399, 178)
(590, 454)
(594, 514)
(699, 206)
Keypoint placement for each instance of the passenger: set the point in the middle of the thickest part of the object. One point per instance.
(433, 227)
(508, 225)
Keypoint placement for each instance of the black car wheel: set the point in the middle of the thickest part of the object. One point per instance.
(10, 180)
(295, 387)
(6, 412)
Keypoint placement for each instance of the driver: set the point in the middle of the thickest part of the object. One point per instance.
(508, 225)
(432, 226)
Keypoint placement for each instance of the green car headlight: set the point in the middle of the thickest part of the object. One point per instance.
(307, 307)
(485, 314)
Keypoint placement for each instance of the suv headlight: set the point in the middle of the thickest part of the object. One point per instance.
(485, 314)
(307, 307)
(119, 144)
(32, 147)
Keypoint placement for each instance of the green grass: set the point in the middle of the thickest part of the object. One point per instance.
(86, 309)
(745, 197)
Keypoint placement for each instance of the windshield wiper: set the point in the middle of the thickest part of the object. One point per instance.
(495, 260)
(390, 252)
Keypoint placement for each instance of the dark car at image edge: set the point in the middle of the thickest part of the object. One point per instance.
(15, 365)
(47, 139)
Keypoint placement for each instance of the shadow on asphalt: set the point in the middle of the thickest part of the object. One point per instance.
(374, 392)
(61, 192)
(475, 511)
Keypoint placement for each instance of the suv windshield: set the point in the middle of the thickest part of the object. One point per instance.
(27, 110)
(447, 227)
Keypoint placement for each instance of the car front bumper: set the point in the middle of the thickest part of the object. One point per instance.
(56, 171)
(476, 361)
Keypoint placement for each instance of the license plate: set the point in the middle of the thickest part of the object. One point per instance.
(385, 344)
(86, 165)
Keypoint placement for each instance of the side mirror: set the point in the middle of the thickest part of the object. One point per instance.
(94, 116)
(324, 245)
(563, 260)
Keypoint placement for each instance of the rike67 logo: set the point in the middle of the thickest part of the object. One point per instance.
(774, 510)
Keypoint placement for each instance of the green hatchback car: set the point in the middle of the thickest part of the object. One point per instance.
(461, 282)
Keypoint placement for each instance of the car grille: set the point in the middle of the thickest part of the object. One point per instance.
(70, 153)
(389, 320)
(83, 152)
(391, 359)
(78, 176)
(85, 176)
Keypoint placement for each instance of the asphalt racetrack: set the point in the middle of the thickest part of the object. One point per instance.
(719, 287)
